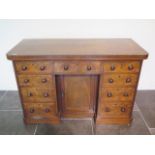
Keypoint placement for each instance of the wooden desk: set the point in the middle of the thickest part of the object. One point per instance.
(77, 78)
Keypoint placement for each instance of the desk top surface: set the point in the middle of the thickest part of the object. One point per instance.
(58, 48)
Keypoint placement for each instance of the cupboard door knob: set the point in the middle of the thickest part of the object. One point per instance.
(112, 67)
(111, 80)
(47, 110)
(123, 109)
(26, 81)
(130, 67)
(66, 67)
(126, 94)
(107, 109)
(32, 110)
(44, 80)
(128, 80)
(46, 94)
(88, 68)
(42, 68)
(109, 94)
(29, 94)
(24, 68)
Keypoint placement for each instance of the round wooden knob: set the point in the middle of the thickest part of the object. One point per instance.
(112, 67)
(26, 81)
(126, 94)
(107, 109)
(46, 94)
(29, 94)
(32, 110)
(42, 68)
(24, 68)
(47, 110)
(66, 67)
(44, 80)
(128, 80)
(109, 94)
(130, 67)
(88, 68)
(123, 109)
(111, 80)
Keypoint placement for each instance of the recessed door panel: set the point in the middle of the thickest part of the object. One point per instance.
(78, 95)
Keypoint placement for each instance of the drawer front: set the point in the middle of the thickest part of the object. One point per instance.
(112, 80)
(38, 94)
(39, 110)
(77, 67)
(117, 103)
(34, 67)
(121, 66)
(115, 111)
(36, 80)
(114, 94)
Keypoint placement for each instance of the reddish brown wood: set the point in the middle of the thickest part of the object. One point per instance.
(34, 67)
(118, 80)
(77, 78)
(77, 49)
(77, 67)
(78, 94)
(121, 67)
(44, 81)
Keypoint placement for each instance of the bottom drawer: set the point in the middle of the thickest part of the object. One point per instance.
(39, 110)
(115, 110)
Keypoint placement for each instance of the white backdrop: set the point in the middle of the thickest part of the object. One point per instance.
(12, 31)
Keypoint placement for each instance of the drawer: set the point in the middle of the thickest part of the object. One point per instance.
(114, 94)
(30, 94)
(117, 103)
(36, 80)
(113, 80)
(77, 67)
(121, 66)
(39, 110)
(34, 67)
(115, 111)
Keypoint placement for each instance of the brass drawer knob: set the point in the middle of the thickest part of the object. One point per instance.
(88, 68)
(109, 94)
(42, 68)
(46, 94)
(123, 109)
(32, 110)
(130, 67)
(112, 68)
(107, 109)
(29, 94)
(125, 94)
(26, 81)
(66, 67)
(44, 80)
(111, 80)
(128, 80)
(24, 68)
(47, 110)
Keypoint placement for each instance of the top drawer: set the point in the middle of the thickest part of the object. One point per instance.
(37, 67)
(77, 67)
(121, 66)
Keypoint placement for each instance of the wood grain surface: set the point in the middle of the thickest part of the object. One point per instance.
(81, 48)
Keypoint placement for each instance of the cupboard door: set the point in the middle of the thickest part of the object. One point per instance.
(78, 95)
